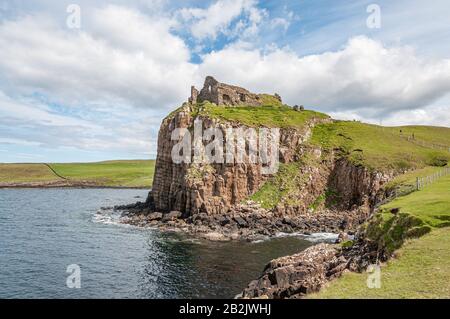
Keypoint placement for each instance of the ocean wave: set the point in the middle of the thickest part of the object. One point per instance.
(314, 237)
(321, 237)
(110, 216)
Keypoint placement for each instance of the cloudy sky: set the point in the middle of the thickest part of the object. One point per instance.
(100, 91)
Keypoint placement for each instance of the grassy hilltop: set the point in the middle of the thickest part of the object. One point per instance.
(373, 146)
(131, 173)
(417, 149)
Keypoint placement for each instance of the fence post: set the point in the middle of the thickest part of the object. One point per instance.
(417, 183)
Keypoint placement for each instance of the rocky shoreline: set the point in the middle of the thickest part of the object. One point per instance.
(289, 277)
(295, 276)
(244, 222)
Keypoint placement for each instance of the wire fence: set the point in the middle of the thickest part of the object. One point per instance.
(412, 138)
(422, 182)
(426, 144)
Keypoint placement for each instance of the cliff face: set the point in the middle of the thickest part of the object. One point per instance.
(357, 185)
(215, 188)
(211, 188)
(314, 190)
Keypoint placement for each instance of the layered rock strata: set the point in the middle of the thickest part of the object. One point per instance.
(211, 188)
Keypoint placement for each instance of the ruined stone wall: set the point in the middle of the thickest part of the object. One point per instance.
(224, 94)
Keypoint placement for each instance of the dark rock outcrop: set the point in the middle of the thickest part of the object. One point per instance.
(357, 185)
(331, 194)
(297, 275)
(211, 188)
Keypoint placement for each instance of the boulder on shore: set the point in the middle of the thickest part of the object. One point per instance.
(297, 275)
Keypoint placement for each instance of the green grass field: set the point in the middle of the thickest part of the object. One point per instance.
(20, 173)
(132, 173)
(422, 266)
(382, 148)
(373, 146)
(436, 135)
(279, 116)
(376, 147)
(406, 183)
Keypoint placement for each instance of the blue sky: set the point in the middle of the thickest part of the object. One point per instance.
(100, 91)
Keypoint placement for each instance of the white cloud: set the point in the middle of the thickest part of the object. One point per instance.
(280, 23)
(437, 115)
(36, 113)
(283, 22)
(29, 123)
(219, 16)
(364, 76)
(122, 57)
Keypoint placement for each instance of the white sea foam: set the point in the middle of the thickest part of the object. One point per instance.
(110, 217)
(321, 237)
(315, 237)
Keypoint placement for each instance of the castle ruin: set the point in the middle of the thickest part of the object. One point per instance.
(223, 94)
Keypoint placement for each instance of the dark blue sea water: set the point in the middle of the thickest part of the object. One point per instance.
(43, 231)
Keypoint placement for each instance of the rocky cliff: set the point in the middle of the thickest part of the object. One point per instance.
(332, 175)
(214, 188)
(315, 189)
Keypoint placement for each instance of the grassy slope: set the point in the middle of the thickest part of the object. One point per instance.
(373, 146)
(379, 147)
(18, 173)
(436, 135)
(431, 205)
(422, 269)
(376, 147)
(405, 183)
(279, 116)
(280, 186)
(134, 173)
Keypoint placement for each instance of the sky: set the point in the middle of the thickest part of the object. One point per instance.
(91, 80)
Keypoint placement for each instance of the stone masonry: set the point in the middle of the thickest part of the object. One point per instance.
(223, 94)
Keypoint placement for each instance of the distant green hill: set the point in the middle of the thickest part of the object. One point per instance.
(385, 148)
(377, 147)
(126, 173)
